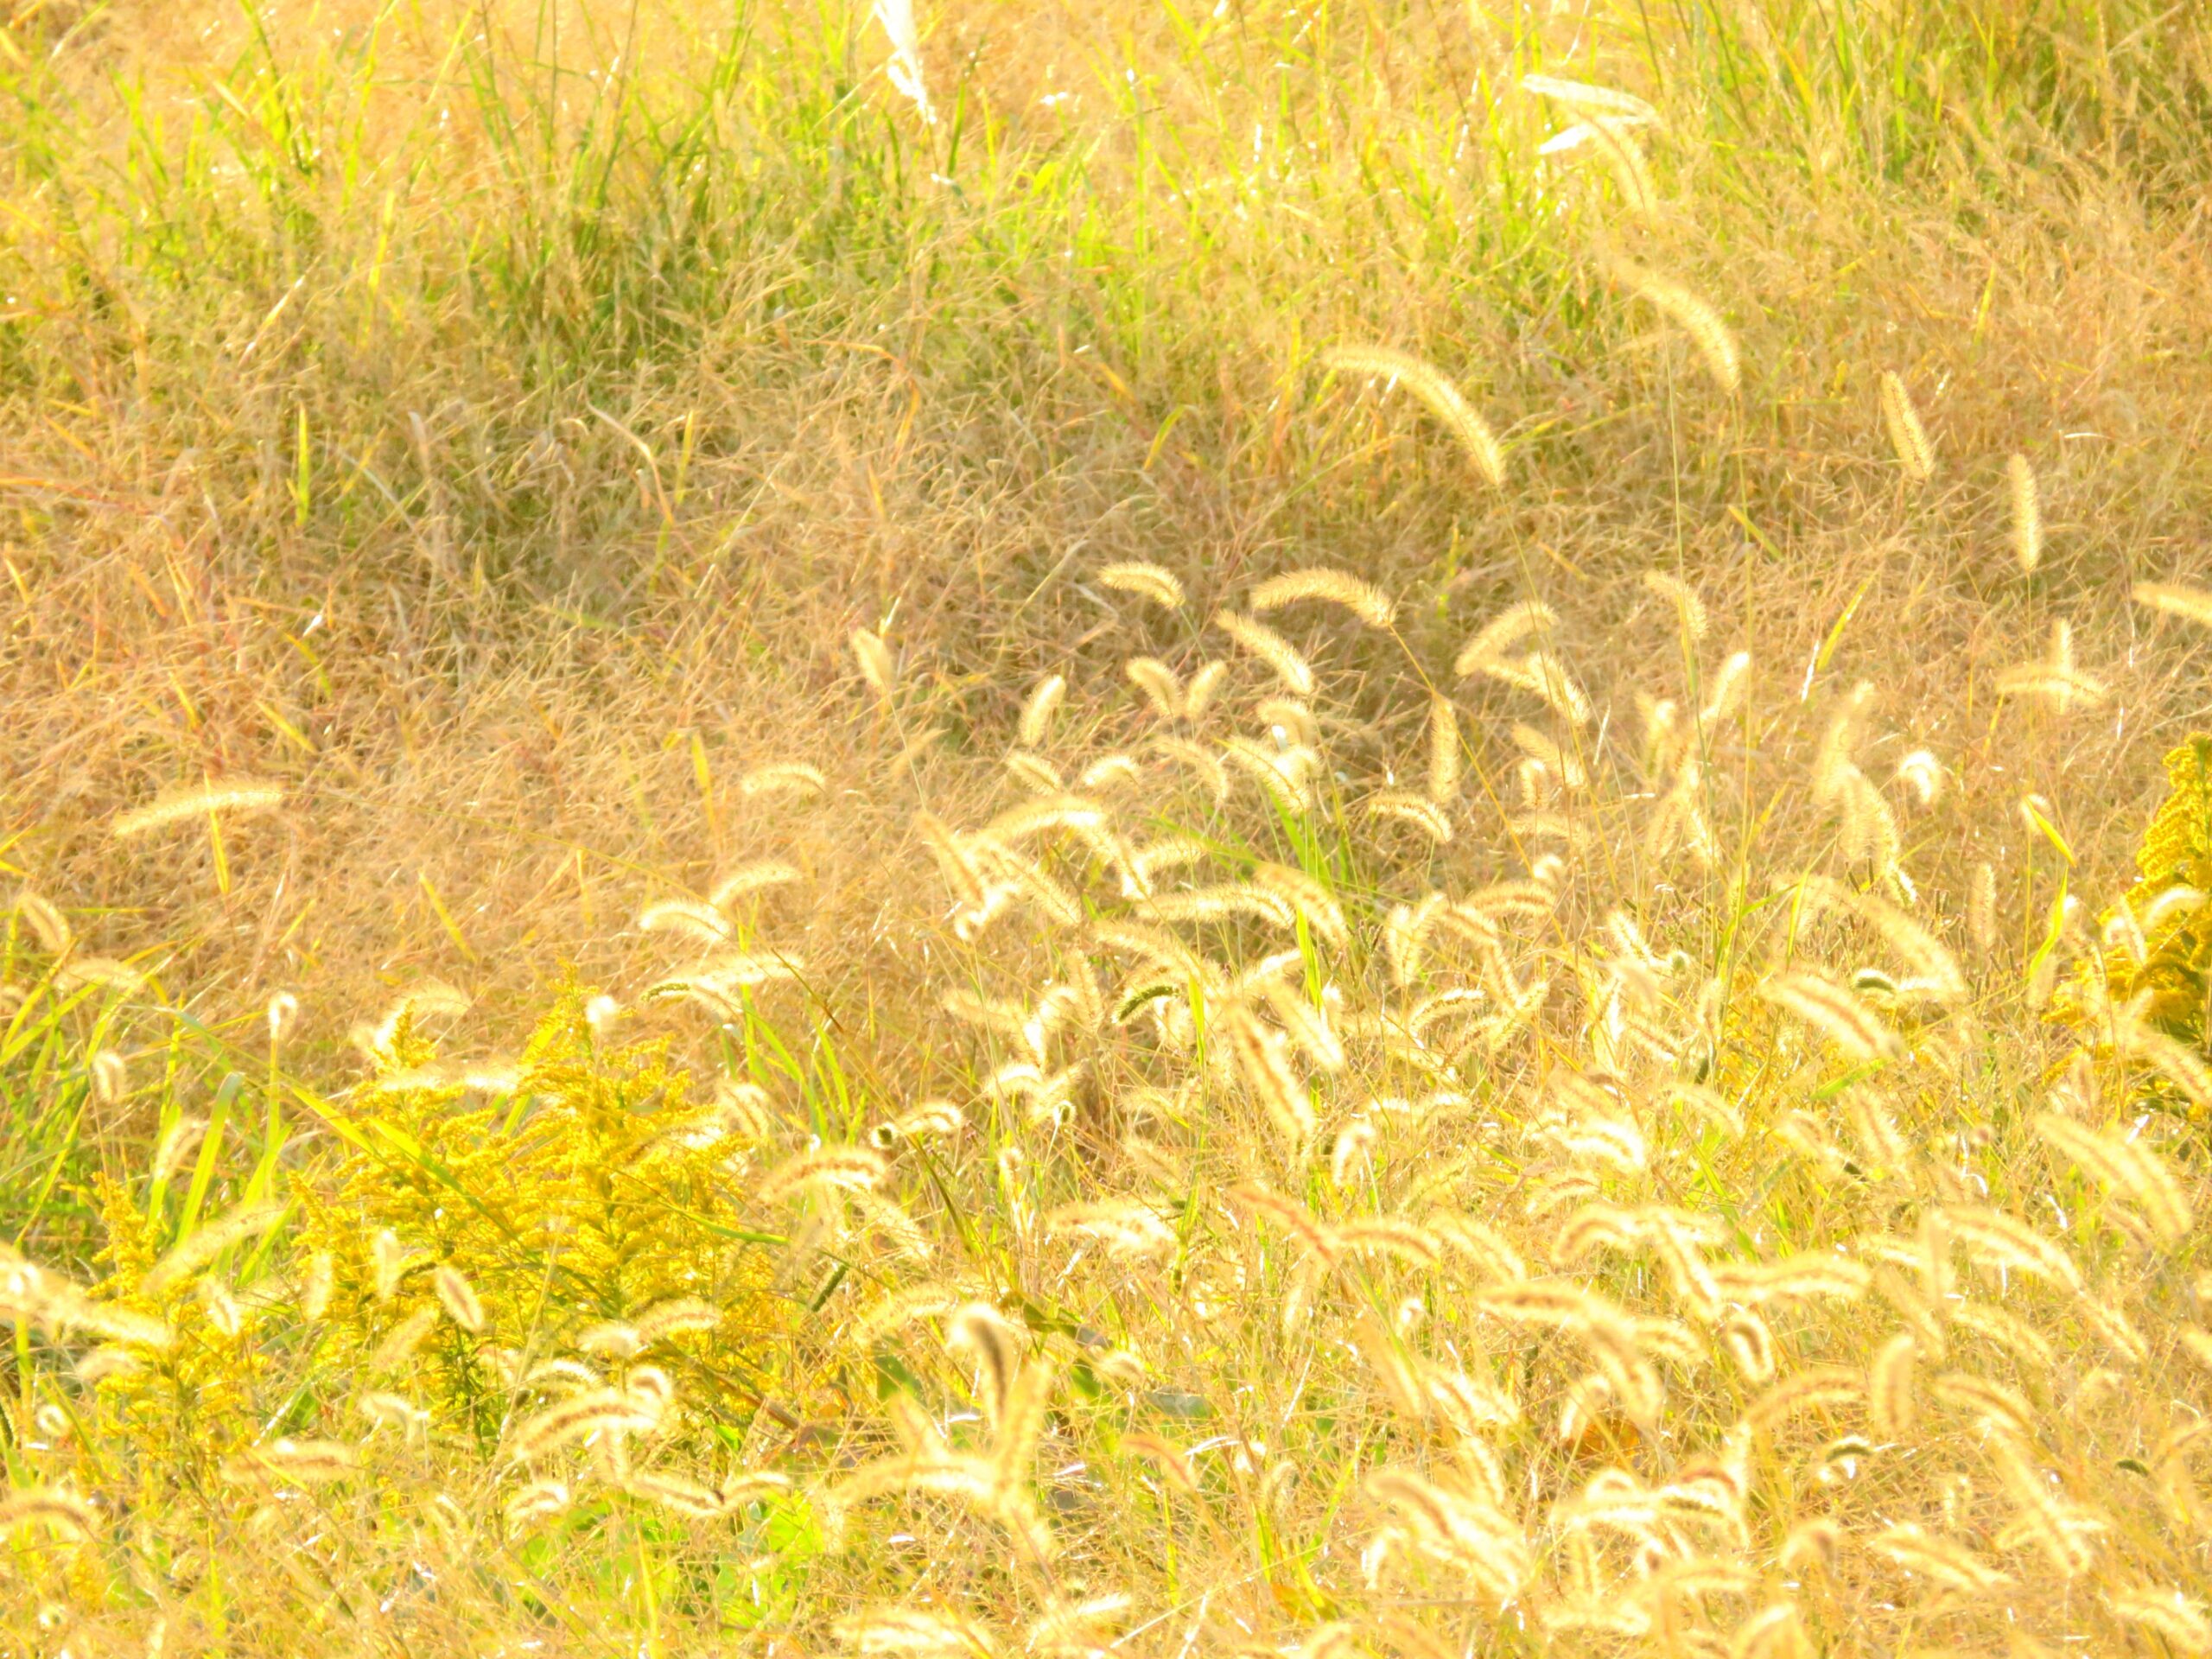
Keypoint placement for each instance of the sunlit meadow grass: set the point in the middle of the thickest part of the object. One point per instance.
(986, 829)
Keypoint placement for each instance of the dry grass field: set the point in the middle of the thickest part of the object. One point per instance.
(1360, 828)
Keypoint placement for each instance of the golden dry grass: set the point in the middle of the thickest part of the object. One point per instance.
(665, 1098)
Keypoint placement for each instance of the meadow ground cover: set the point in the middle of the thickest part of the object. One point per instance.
(1003, 828)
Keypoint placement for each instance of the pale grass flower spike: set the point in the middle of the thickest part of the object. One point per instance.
(1441, 398)
(1908, 438)
(182, 805)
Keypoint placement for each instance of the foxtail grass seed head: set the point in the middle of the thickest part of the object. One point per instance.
(1814, 1543)
(1586, 99)
(1037, 713)
(223, 1311)
(794, 779)
(1689, 610)
(101, 1363)
(1502, 633)
(2177, 599)
(395, 1411)
(1458, 1528)
(1121, 1228)
(1561, 763)
(2062, 686)
(929, 1300)
(1942, 1561)
(616, 1340)
(399, 1346)
(1715, 345)
(2001, 1330)
(1206, 681)
(1724, 692)
(2026, 498)
(1035, 773)
(317, 1285)
(752, 1487)
(979, 1331)
(2002, 1242)
(825, 1168)
(1172, 1462)
(1150, 581)
(1833, 762)
(1419, 811)
(1935, 971)
(538, 1500)
(103, 971)
(1289, 721)
(1544, 676)
(703, 923)
(1832, 1009)
(677, 1494)
(1922, 774)
(955, 858)
(1436, 393)
(1889, 1387)
(1614, 141)
(678, 1316)
(1908, 438)
(1981, 908)
(590, 1413)
(877, 666)
(1263, 1059)
(177, 806)
(1306, 894)
(1109, 774)
(45, 921)
(110, 1077)
(746, 879)
(390, 1258)
(2126, 1166)
(1159, 684)
(2173, 1617)
(1270, 648)
(1363, 599)
(1751, 1345)
(914, 1633)
(1774, 1631)
(307, 1462)
(650, 1388)
(57, 1511)
(1444, 754)
(195, 1252)
(1870, 834)
(458, 1297)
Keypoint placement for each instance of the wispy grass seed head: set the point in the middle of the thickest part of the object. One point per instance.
(1151, 581)
(1436, 392)
(178, 806)
(1363, 599)
(1908, 437)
